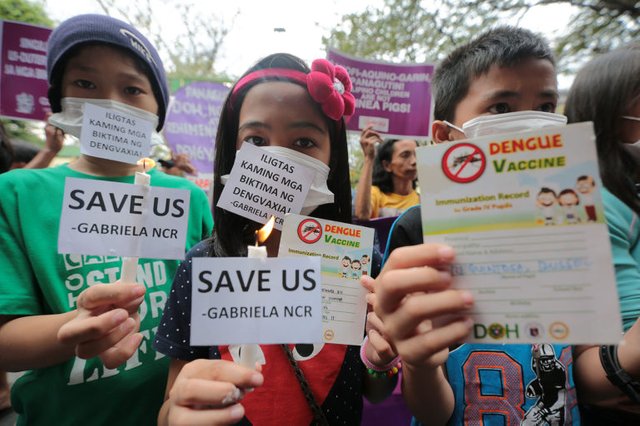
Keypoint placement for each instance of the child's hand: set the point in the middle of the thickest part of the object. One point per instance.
(378, 350)
(106, 323)
(209, 392)
(410, 293)
(54, 137)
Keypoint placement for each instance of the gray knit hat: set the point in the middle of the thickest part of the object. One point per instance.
(90, 28)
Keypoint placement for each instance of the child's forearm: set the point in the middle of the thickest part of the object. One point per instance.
(428, 394)
(31, 341)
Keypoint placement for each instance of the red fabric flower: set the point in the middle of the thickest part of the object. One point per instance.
(330, 86)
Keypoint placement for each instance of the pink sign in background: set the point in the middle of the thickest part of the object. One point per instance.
(192, 122)
(23, 65)
(394, 98)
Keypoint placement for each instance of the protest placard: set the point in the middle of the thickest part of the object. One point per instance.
(262, 184)
(345, 251)
(118, 219)
(394, 98)
(191, 126)
(531, 244)
(114, 135)
(238, 300)
(23, 68)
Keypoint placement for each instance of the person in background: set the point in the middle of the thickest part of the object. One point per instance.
(387, 184)
(82, 335)
(606, 91)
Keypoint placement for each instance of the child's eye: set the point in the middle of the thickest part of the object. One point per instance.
(255, 140)
(304, 143)
(548, 107)
(84, 84)
(133, 91)
(501, 108)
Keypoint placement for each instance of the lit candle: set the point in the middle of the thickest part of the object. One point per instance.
(249, 352)
(130, 264)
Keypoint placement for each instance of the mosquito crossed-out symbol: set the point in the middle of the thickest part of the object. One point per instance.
(463, 163)
(309, 231)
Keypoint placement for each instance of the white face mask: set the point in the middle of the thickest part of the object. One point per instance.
(319, 193)
(509, 122)
(71, 116)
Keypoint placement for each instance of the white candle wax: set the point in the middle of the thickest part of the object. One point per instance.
(130, 264)
(257, 252)
(249, 352)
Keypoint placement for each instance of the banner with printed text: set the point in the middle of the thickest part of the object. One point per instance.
(394, 98)
(192, 123)
(23, 79)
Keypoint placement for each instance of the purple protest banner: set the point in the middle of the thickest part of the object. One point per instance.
(192, 123)
(394, 98)
(23, 65)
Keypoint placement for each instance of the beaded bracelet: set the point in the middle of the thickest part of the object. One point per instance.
(390, 369)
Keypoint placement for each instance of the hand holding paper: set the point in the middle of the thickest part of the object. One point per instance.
(106, 323)
(379, 350)
(412, 291)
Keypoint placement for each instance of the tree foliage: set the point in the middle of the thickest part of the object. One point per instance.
(24, 11)
(193, 52)
(416, 31)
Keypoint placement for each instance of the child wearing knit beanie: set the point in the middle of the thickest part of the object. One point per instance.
(83, 334)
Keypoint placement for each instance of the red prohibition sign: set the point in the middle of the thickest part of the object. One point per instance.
(309, 231)
(463, 163)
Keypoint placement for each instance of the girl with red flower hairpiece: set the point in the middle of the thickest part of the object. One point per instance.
(282, 103)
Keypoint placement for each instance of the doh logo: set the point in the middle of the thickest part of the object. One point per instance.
(496, 331)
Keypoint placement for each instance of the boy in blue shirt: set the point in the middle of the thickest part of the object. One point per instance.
(502, 71)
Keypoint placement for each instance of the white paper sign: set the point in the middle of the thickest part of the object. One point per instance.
(262, 184)
(346, 252)
(114, 135)
(118, 219)
(531, 239)
(237, 300)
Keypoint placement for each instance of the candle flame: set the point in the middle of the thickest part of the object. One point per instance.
(146, 163)
(263, 233)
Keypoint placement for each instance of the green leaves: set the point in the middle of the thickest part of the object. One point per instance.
(419, 31)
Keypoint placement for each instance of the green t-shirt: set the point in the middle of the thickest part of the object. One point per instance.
(36, 280)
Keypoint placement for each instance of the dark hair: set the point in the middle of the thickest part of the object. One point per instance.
(504, 46)
(6, 151)
(23, 152)
(547, 190)
(601, 92)
(232, 233)
(568, 191)
(380, 176)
